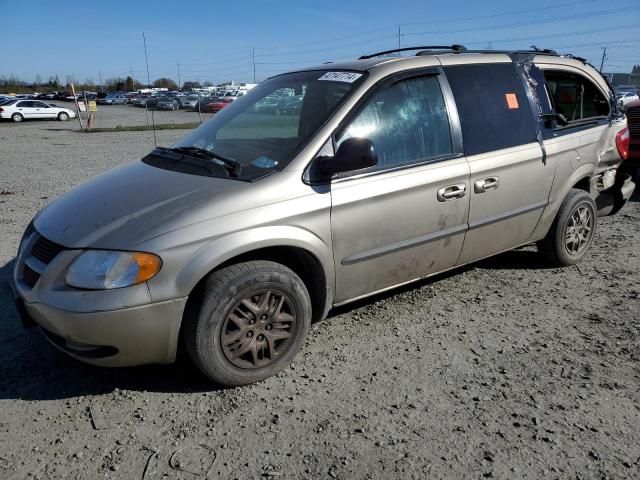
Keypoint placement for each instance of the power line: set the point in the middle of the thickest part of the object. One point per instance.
(527, 23)
(447, 20)
(553, 35)
(486, 27)
(325, 49)
(505, 14)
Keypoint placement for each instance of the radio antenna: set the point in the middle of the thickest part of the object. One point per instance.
(153, 121)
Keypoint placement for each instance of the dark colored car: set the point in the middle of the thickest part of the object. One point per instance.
(152, 102)
(167, 103)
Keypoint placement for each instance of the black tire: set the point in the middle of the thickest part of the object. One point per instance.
(17, 117)
(63, 117)
(565, 243)
(210, 328)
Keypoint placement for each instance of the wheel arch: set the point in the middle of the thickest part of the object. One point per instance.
(583, 184)
(306, 264)
(301, 251)
(580, 178)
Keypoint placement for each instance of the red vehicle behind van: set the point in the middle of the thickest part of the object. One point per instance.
(633, 123)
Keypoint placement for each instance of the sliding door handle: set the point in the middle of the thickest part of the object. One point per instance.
(486, 184)
(452, 192)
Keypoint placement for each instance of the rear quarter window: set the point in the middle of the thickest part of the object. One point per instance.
(493, 107)
(576, 97)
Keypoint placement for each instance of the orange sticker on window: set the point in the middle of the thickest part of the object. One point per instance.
(512, 101)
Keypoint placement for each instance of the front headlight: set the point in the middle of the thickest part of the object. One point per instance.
(102, 269)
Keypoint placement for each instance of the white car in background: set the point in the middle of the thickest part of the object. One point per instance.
(625, 98)
(20, 110)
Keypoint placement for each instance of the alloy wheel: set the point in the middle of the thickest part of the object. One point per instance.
(579, 230)
(258, 329)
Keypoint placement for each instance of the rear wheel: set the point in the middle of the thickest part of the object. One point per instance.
(63, 116)
(248, 322)
(17, 117)
(572, 231)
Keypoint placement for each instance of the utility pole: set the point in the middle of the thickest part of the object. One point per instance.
(604, 56)
(253, 61)
(179, 82)
(399, 37)
(100, 75)
(153, 121)
(133, 82)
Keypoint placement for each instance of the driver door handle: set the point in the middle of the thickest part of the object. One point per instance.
(486, 184)
(452, 192)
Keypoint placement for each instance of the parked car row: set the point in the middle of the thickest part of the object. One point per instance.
(280, 105)
(113, 99)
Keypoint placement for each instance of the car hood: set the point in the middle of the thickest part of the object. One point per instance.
(119, 208)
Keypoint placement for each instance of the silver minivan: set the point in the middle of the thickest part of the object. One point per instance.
(390, 169)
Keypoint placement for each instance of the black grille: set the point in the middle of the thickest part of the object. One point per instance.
(30, 276)
(45, 250)
(633, 120)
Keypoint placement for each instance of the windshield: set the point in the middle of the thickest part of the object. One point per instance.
(263, 129)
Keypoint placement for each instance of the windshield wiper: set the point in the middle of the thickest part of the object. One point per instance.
(232, 166)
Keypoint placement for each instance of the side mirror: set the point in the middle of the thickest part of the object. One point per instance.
(353, 154)
(558, 117)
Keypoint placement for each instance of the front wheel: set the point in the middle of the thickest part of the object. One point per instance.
(63, 116)
(572, 231)
(17, 117)
(247, 322)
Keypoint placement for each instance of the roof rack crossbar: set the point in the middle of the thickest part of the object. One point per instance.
(452, 48)
(536, 52)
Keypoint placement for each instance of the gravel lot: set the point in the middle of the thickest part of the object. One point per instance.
(505, 369)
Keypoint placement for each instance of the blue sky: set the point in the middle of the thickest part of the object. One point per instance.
(213, 40)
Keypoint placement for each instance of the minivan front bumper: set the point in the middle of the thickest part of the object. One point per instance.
(117, 338)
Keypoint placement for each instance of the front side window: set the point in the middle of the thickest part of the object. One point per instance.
(263, 129)
(407, 123)
(575, 97)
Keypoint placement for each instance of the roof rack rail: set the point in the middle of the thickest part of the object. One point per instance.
(535, 51)
(451, 48)
(455, 49)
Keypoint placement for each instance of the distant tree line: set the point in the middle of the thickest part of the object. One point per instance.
(13, 84)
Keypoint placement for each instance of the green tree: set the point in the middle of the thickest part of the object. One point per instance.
(115, 84)
(165, 83)
(130, 84)
(190, 85)
(54, 82)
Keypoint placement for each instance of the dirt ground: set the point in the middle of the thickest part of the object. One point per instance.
(504, 369)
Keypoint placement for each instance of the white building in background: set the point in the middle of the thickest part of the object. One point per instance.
(153, 90)
(231, 87)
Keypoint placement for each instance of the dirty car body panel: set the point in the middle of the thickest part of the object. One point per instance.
(434, 199)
